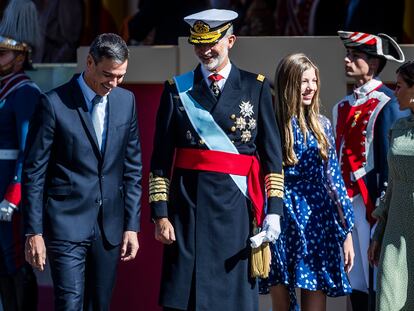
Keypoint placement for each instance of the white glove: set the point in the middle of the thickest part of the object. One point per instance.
(270, 231)
(6, 210)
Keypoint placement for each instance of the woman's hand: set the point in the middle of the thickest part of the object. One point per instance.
(349, 253)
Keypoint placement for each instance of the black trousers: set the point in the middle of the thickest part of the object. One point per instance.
(360, 301)
(83, 273)
(18, 292)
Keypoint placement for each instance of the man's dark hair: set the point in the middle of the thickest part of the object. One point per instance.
(109, 45)
(406, 71)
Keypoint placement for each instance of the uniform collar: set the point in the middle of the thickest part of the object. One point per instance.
(367, 88)
(225, 72)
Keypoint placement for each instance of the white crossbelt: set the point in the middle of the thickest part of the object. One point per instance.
(9, 154)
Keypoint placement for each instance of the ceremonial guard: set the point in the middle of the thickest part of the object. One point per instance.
(18, 97)
(362, 121)
(219, 122)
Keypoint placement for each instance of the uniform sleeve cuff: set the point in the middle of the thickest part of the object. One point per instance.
(13, 193)
(275, 206)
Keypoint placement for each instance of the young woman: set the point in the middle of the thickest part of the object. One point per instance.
(393, 241)
(318, 216)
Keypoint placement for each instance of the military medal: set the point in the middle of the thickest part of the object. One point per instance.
(241, 123)
(246, 136)
(246, 109)
(356, 116)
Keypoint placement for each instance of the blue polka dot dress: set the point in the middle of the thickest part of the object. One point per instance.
(308, 252)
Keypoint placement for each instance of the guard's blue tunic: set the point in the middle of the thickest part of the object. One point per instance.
(15, 112)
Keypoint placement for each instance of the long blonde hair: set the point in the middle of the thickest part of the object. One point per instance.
(288, 104)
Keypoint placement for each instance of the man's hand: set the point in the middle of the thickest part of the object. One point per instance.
(6, 210)
(374, 251)
(129, 246)
(271, 225)
(164, 231)
(35, 251)
(270, 231)
(349, 253)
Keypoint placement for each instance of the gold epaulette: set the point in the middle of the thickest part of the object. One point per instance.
(274, 185)
(171, 81)
(260, 77)
(159, 188)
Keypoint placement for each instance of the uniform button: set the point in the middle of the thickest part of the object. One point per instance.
(233, 128)
(370, 111)
(232, 141)
(362, 143)
(364, 133)
(233, 116)
(364, 154)
(201, 142)
(365, 122)
(364, 163)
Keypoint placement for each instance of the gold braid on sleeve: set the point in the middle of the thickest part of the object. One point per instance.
(274, 185)
(159, 188)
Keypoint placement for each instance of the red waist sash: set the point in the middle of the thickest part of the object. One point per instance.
(227, 163)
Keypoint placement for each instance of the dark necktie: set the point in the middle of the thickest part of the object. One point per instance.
(215, 78)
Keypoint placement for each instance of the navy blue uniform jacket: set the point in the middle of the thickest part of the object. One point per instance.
(211, 216)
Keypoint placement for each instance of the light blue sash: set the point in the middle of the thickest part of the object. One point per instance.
(205, 125)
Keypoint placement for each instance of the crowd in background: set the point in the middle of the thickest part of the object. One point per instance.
(66, 25)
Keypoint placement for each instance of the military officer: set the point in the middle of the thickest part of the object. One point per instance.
(362, 121)
(18, 97)
(218, 121)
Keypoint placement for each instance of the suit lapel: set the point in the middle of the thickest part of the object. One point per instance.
(111, 118)
(85, 116)
(231, 94)
(201, 93)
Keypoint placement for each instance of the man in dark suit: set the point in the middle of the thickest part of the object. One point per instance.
(81, 180)
(216, 120)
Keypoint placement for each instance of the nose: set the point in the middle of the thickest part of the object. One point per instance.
(204, 48)
(113, 82)
(311, 86)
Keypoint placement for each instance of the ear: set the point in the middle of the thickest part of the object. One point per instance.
(19, 60)
(90, 62)
(373, 64)
(232, 39)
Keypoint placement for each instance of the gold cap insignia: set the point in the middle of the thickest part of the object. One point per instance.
(201, 27)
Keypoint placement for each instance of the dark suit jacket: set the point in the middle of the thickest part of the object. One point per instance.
(66, 178)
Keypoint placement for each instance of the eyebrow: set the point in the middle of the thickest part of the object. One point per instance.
(111, 74)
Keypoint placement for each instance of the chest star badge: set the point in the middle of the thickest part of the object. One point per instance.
(246, 109)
